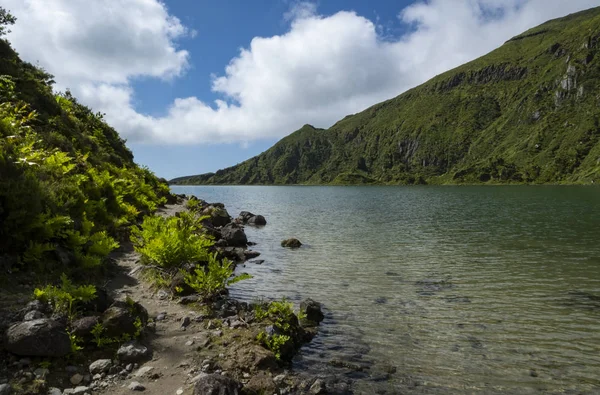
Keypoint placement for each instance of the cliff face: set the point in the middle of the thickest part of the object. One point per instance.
(527, 112)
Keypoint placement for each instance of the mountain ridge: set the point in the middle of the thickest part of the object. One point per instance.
(527, 112)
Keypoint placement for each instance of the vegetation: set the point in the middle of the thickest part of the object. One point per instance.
(528, 112)
(212, 279)
(64, 299)
(285, 326)
(69, 188)
(171, 242)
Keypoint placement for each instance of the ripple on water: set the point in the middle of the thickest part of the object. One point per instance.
(464, 289)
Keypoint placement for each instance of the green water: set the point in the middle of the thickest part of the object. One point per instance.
(464, 289)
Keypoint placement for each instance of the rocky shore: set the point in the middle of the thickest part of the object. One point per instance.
(161, 341)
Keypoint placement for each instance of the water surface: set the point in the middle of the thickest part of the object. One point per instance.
(464, 289)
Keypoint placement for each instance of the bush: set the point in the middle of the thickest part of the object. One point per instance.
(65, 298)
(211, 280)
(171, 242)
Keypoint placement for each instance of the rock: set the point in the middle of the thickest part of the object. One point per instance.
(5, 389)
(33, 315)
(135, 386)
(101, 302)
(312, 310)
(143, 371)
(83, 327)
(76, 379)
(186, 322)
(261, 383)
(41, 338)
(249, 254)
(234, 235)
(41, 373)
(214, 384)
(81, 390)
(244, 217)
(189, 299)
(232, 253)
(258, 261)
(52, 391)
(161, 317)
(291, 243)
(100, 366)
(257, 220)
(121, 319)
(318, 387)
(179, 287)
(132, 352)
(218, 215)
(162, 294)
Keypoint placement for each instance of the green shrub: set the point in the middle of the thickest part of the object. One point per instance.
(209, 281)
(170, 242)
(275, 342)
(65, 298)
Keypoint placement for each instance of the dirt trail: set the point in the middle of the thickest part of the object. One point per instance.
(172, 367)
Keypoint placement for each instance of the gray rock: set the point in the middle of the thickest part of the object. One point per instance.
(161, 316)
(54, 391)
(132, 352)
(215, 384)
(250, 254)
(81, 390)
(121, 318)
(234, 235)
(76, 379)
(33, 315)
(244, 217)
(41, 338)
(5, 389)
(318, 387)
(135, 386)
(291, 243)
(312, 310)
(143, 371)
(257, 220)
(83, 327)
(100, 366)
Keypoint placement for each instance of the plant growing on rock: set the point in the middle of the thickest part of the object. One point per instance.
(275, 342)
(65, 298)
(211, 280)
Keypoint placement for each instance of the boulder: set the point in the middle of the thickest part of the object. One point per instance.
(83, 327)
(244, 217)
(312, 310)
(38, 338)
(132, 352)
(101, 302)
(121, 318)
(291, 243)
(257, 220)
(234, 235)
(33, 315)
(179, 287)
(232, 253)
(218, 215)
(100, 366)
(215, 384)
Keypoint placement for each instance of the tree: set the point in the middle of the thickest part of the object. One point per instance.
(6, 19)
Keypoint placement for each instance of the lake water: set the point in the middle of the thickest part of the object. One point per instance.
(463, 289)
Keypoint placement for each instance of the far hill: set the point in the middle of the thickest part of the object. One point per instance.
(527, 112)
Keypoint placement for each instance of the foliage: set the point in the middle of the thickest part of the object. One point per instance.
(75, 343)
(281, 313)
(170, 242)
(503, 118)
(103, 341)
(209, 281)
(65, 298)
(275, 342)
(68, 185)
(6, 19)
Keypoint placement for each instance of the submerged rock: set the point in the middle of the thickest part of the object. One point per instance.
(257, 220)
(291, 243)
(234, 235)
(312, 310)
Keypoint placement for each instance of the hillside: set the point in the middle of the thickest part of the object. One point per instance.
(527, 112)
(69, 189)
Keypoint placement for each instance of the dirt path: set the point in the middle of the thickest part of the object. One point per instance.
(171, 363)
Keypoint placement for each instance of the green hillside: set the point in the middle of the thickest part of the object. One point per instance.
(69, 189)
(527, 112)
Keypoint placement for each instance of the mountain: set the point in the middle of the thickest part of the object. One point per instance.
(527, 112)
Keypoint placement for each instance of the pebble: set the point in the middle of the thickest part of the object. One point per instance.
(81, 390)
(179, 391)
(97, 377)
(278, 379)
(189, 343)
(161, 317)
(185, 323)
(218, 333)
(100, 366)
(142, 371)
(53, 391)
(162, 294)
(135, 386)
(76, 379)
(129, 367)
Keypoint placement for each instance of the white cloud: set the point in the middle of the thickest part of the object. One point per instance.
(322, 69)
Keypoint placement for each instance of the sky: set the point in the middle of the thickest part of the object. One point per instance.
(197, 85)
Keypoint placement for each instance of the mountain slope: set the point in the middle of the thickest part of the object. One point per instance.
(527, 112)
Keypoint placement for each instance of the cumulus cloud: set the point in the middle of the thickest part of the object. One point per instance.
(321, 69)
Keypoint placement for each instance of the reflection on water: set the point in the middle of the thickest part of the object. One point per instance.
(463, 289)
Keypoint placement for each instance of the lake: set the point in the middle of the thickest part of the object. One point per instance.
(465, 289)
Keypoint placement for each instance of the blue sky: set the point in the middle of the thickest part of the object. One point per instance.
(195, 86)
